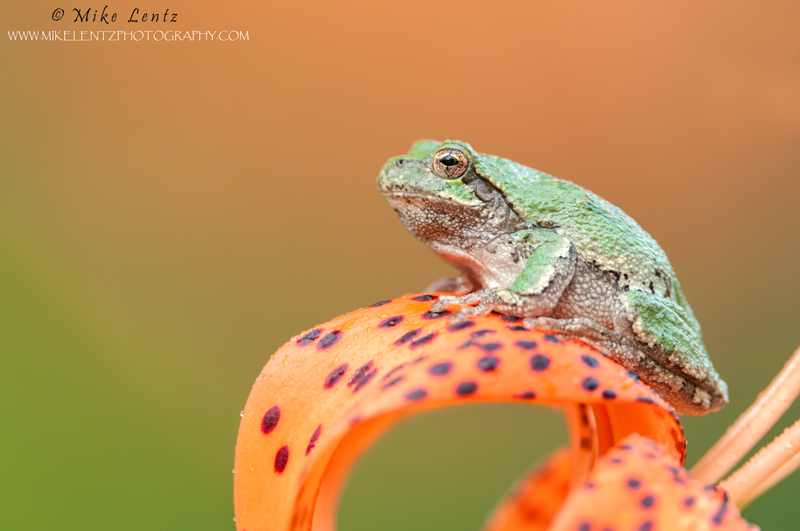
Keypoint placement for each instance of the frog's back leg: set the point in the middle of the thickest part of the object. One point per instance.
(669, 335)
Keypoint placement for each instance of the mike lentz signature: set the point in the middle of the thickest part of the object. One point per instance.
(104, 15)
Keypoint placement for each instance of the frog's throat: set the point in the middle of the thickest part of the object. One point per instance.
(480, 275)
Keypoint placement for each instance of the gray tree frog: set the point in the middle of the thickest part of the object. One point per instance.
(531, 245)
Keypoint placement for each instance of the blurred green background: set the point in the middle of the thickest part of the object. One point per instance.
(171, 213)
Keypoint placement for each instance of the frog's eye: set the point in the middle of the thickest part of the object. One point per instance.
(450, 163)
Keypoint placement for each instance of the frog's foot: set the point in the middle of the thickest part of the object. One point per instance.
(684, 395)
(460, 285)
(483, 306)
(500, 300)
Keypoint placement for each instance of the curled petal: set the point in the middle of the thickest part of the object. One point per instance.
(327, 394)
(638, 486)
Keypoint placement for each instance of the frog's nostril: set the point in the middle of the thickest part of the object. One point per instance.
(400, 162)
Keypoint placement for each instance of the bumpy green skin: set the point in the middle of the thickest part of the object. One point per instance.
(578, 258)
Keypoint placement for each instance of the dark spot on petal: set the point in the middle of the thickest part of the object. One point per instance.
(466, 344)
(720, 514)
(589, 485)
(590, 361)
(416, 394)
(586, 443)
(314, 438)
(436, 315)
(392, 382)
(539, 362)
(440, 369)
(518, 328)
(419, 359)
(477, 334)
(633, 376)
(355, 420)
(408, 336)
(270, 419)
(424, 340)
(329, 340)
(489, 347)
(615, 460)
(634, 483)
(488, 363)
(335, 375)
(309, 337)
(609, 394)
(390, 373)
(511, 318)
(365, 380)
(551, 338)
(646, 526)
(645, 400)
(466, 388)
(527, 345)
(688, 501)
(647, 502)
(423, 298)
(585, 526)
(527, 395)
(391, 321)
(590, 383)
(281, 459)
(380, 303)
(627, 447)
(460, 326)
(360, 372)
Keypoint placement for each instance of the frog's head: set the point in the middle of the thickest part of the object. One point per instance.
(436, 171)
(444, 199)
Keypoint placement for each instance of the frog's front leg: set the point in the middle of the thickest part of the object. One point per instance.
(535, 291)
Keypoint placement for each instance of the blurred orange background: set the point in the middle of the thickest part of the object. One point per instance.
(172, 212)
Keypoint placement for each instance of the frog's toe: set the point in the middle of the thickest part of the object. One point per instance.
(472, 312)
(448, 300)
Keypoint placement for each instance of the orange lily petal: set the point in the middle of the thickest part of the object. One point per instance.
(327, 394)
(638, 486)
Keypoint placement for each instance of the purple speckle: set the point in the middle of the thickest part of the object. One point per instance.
(408, 336)
(365, 380)
(440, 369)
(360, 372)
(488, 363)
(539, 362)
(281, 459)
(270, 419)
(436, 315)
(329, 340)
(314, 438)
(416, 395)
(463, 325)
(335, 375)
(309, 337)
(466, 388)
(391, 321)
(590, 383)
(424, 340)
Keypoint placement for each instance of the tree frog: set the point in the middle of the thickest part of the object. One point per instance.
(567, 261)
